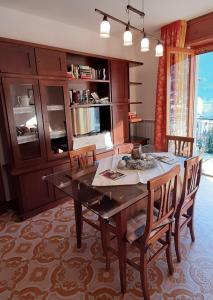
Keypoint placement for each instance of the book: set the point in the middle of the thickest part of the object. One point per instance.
(113, 175)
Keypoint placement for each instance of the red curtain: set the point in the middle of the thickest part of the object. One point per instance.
(173, 35)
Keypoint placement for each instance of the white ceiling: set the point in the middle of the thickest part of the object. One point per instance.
(81, 12)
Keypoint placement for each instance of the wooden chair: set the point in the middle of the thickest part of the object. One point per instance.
(149, 226)
(123, 148)
(181, 145)
(81, 156)
(185, 209)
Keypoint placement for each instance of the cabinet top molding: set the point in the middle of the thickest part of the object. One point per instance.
(13, 41)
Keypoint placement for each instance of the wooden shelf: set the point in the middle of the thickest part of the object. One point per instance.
(88, 80)
(135, 102)
(135, 83)
(90, 105)
(135, 63)
(137, 120)
(24, 110)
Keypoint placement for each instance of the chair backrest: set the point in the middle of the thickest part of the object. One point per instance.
(84, 156)
(165, 188)
(181, 145)
(124, 148)
(191, 182)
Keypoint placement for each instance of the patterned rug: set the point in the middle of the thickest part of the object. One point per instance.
(40, 261)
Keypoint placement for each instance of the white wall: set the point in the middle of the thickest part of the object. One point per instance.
(21, 26)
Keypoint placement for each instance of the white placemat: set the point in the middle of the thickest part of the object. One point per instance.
(132, 176)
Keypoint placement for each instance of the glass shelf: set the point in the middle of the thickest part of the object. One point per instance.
(24, 109)
(28, 138)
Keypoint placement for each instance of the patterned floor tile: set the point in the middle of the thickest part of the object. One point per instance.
(40, 260)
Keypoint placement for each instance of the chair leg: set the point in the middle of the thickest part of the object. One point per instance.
(168, 251)
(105, 241)
(191, 223)
(143, 274)
(177, 239)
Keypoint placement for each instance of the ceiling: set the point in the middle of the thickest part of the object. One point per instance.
(81, 12)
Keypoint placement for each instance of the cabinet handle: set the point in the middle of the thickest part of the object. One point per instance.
(29, 62)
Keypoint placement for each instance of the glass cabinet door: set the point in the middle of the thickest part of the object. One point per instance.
(56, 112)
(25, 119)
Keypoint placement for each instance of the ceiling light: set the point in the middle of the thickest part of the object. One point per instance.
(159, 49)
(127, 37)
(105, 28)
(144, 44)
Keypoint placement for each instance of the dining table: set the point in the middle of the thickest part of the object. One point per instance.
(106, 200)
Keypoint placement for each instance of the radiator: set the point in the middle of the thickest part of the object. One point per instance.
(146, 129)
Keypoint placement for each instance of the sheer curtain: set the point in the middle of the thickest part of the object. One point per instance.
(173, 35)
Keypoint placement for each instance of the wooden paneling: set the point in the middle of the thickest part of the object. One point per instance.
(34, 191)
(120, 124)
(200, 30)
(50, 62)
(2, 192)
(17, 59)
(119, 81)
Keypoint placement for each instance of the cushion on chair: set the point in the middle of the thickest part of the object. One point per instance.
(136, 225)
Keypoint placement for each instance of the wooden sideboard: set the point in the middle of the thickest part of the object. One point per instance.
(38, 134)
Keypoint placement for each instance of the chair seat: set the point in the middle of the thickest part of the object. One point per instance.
(137, 224)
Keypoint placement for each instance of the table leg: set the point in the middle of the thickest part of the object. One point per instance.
(121, 227)
(78, 222)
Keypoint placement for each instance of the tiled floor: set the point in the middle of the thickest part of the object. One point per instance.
(39, 260)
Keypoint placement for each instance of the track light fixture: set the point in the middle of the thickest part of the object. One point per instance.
(127, 36)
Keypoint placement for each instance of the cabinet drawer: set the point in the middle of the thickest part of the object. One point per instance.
(50, 62)
(35, 192)
(17, 59)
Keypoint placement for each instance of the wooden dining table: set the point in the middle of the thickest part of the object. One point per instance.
(105, 201)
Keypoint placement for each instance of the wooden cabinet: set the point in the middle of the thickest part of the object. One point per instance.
(57, 117)
(17, 59)
(119, 81)
(35, 192)
(23, 108)
(37, 113)
(120, 124)
(2, 192)
(50, 62)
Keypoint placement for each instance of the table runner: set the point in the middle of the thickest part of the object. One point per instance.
(132, 176)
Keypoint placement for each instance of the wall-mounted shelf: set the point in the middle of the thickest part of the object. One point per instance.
(135, 64)
(24, 110)
(135, 102)
(136, 120)
(23, 139)
(135, 83)
(87, 80)
(55, 107)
